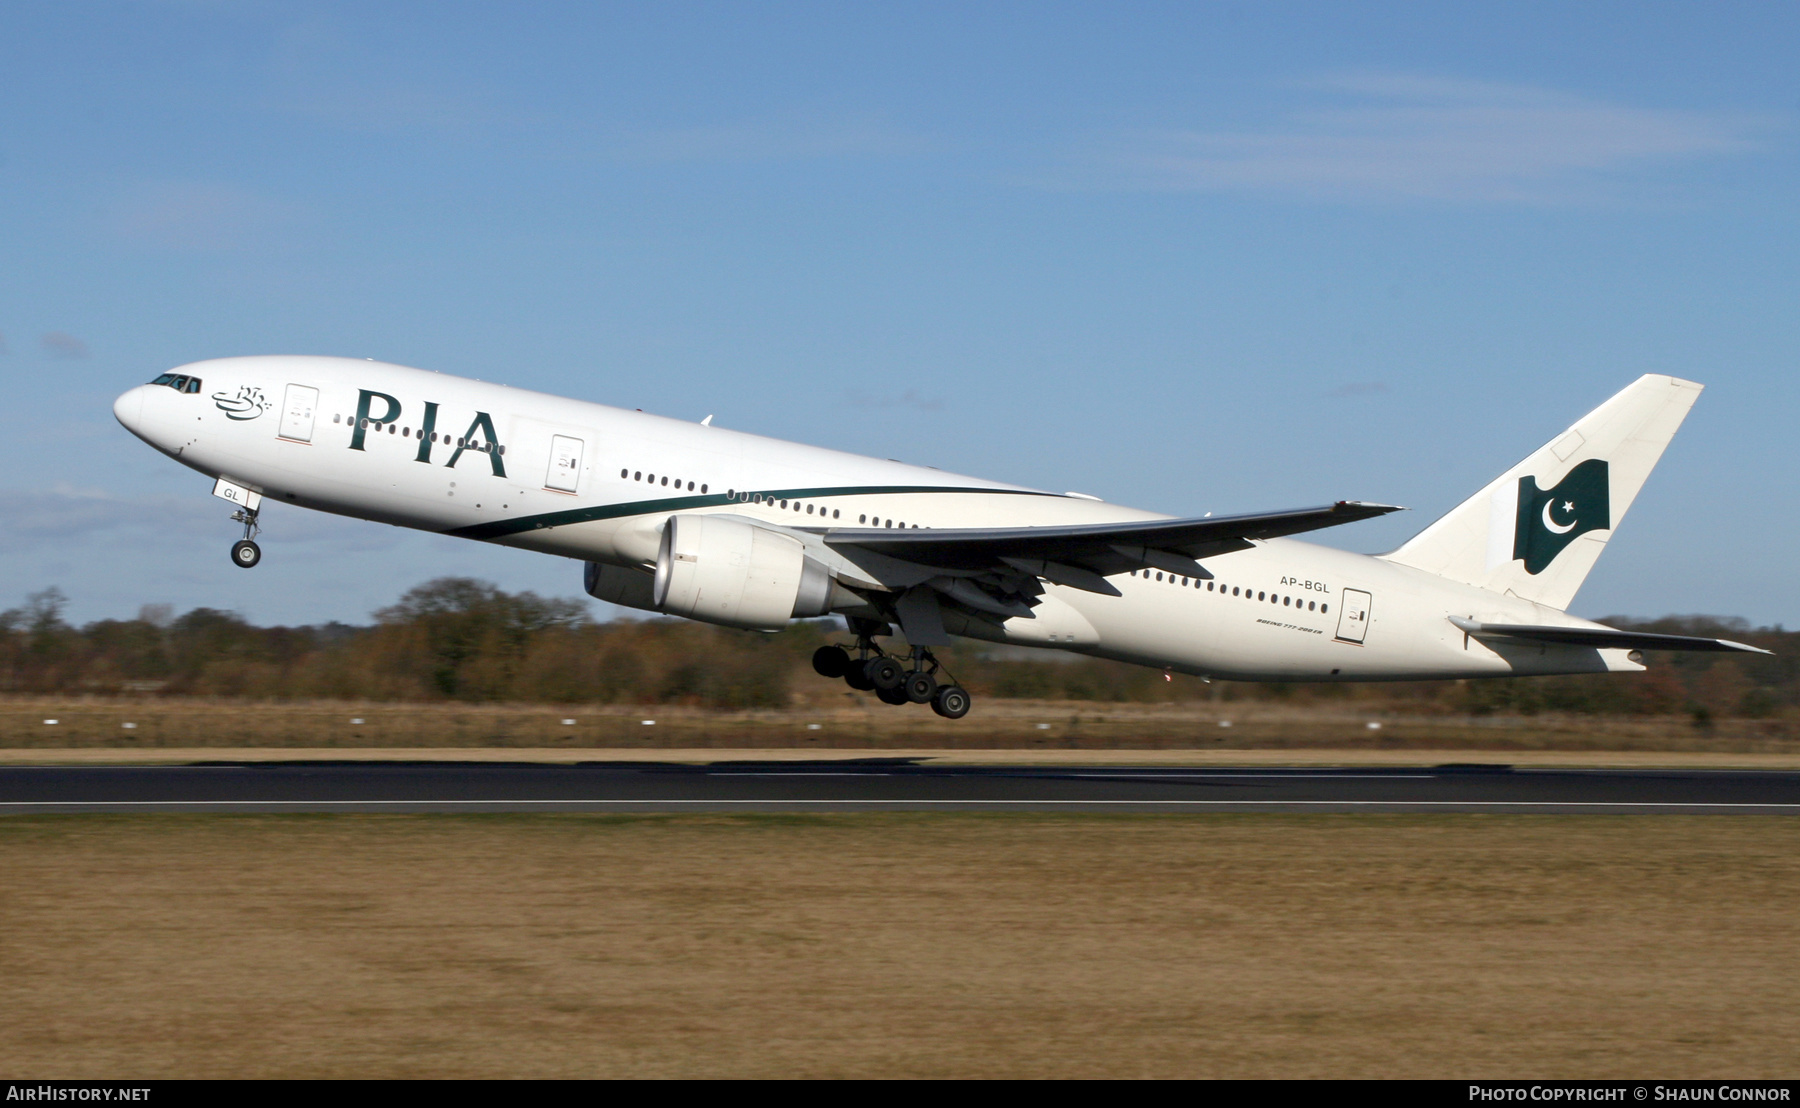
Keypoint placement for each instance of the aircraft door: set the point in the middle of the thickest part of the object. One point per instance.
(565, 464)
(1353, 615)
(297, 413)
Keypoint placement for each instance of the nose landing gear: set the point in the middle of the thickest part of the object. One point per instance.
(873, 670)
(244, 552)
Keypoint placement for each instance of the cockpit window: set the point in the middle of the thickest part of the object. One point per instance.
(180, 382)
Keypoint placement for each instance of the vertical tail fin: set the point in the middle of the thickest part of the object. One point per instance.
(1537, 530)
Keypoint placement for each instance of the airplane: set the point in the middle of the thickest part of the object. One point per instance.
(688, 519)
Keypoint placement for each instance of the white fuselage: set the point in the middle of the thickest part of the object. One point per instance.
(595, 483)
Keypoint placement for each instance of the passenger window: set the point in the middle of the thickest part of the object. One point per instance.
(690, 486)
(1323, 608)
(834, 513)
(1234, 590)
(864, 518)
(1312, 605)
(702, 488)
(665, 482)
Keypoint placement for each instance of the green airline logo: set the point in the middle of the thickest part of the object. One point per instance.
(1550, 519)
(480, 438)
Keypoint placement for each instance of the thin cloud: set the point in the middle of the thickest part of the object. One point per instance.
(197, 215)
(1395, 136)
(908, 399)
(393, 108)
(57, 344)
(1358, 388)
(39, 519)
(771, 140)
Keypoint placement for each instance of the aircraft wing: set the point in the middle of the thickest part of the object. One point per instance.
(1082, 556)
(1604, 637)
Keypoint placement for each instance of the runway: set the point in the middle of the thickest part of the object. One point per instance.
(877, 785)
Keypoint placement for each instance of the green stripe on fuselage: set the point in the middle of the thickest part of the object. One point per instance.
(520, 524)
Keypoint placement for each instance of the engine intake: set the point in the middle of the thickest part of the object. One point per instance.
(631, 588)
(721, 569)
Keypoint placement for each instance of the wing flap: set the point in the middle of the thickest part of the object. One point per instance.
(1101, 548)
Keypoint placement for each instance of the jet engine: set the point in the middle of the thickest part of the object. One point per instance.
(620, 585)
(726, 570)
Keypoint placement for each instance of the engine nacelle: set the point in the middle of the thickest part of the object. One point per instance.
(726, 570)
(630, 588)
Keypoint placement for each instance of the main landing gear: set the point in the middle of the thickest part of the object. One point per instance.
(244, 552)
(873, 670)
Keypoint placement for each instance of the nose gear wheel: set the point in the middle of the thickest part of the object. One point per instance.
(244, 552)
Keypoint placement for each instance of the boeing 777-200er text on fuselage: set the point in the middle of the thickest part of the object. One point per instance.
(692, 520)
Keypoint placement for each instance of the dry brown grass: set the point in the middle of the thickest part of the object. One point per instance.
(860, 724)
(899, 945)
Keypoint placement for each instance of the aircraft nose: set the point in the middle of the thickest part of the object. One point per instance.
(128, 409)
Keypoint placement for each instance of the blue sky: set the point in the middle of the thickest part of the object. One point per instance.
(1189, 257)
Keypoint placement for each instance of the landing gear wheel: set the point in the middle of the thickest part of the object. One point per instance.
(891, 696)
(245, 553)
(857, 679)
(884, 673)
(831, 661)
(951, 702)
(920, 687)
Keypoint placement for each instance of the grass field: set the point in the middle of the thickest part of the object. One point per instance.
(859, 724)
(868, 945)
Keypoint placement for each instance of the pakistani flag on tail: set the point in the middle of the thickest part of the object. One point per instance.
(1550, 519)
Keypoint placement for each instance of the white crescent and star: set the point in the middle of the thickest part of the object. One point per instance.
(1551, 524)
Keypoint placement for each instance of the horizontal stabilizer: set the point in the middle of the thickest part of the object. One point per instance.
(1102, 548)
(1602, 637)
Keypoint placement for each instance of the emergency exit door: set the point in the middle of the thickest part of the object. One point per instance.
(565, 464)
(1353, 615)
(297, 413)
